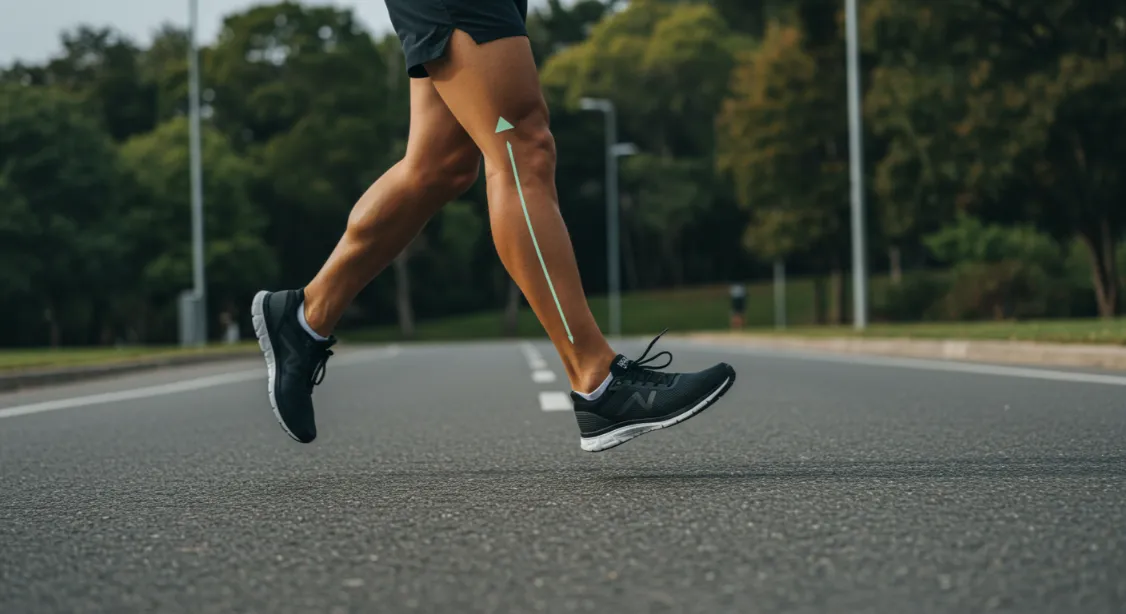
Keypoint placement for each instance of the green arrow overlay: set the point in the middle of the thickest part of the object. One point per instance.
(504, 126)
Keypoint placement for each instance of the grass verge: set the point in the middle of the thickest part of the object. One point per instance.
(644, 313)
(1112, 332)
(706, 309)
(15, 360)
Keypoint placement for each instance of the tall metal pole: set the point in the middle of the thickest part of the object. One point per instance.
(198, 281)
(779, 293)
(614, 150)
(613, 237)
(856, 155)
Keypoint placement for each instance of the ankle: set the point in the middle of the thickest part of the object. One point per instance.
(592, 373)
(315, 316)
(590, 383)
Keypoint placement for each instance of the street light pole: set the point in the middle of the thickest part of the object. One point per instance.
(856, 155)
(613, 218)
(199, 336)
(613, 235)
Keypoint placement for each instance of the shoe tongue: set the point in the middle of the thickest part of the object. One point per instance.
(620, 365)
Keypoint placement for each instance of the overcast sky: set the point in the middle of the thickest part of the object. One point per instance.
(29, 29)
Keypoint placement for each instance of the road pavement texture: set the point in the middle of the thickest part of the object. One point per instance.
(448, 478)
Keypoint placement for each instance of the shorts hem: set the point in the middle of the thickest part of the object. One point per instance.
(496, 34)
(416, 65)
(417, 59)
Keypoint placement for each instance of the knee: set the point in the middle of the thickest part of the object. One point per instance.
(448, 176)
(424, 185)
(457, 173)
(536, 141)
(537, 152)
(533, 146)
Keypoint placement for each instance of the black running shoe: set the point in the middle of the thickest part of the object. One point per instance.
(295, 361)
(641, 399)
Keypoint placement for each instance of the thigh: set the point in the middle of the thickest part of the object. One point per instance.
(482, 83)
(436, 138)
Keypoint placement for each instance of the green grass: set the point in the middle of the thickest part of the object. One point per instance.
(11, 360)
(642, 313)
(1111, 332)
(680, 310)
(706, 308)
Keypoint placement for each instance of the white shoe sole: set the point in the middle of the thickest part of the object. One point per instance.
(258, 315)
(619, 436)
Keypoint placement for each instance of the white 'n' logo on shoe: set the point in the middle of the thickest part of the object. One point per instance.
(640, 400)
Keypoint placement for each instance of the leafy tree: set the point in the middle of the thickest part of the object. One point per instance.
(321, 110)
(101, 67)
(751, 16)
(18, 226)
(157, 224)
(784, 144)
(991, 124)
(557, 26)
(970, 240)
(999, 271)
(57, 186)
(670, 195)
(164, 66)
(1002, 108)
(912, 113)
(666, 67)
(276, 64)
(1073, 179)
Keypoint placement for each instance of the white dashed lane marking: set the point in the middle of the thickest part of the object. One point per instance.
(552, 400)
(555, 401)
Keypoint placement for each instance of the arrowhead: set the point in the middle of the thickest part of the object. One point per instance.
(503, 126)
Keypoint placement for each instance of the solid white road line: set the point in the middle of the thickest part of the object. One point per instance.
(136, 393)
(175, 387)
(543, 376)
(922, 364)
(555, 401)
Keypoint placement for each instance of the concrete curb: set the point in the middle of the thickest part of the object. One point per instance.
(1109, 357)
(33, 378)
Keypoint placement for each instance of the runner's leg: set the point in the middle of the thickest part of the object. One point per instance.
(481, 84)
(441, 163)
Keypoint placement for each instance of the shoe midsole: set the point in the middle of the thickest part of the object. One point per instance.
(653, 420)
(262, 331)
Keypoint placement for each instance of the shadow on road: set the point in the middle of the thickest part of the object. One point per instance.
(833, 470)
(850, 470)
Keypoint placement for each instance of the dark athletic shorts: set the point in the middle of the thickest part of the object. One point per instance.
(424, 26)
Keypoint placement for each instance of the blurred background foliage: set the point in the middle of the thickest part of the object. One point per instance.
(995, 136)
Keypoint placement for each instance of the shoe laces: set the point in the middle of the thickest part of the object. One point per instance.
(643, 369)
(322, 355)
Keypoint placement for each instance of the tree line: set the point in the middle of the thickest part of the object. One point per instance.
(993, 146)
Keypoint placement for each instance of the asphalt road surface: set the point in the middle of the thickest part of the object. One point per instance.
(445, 481)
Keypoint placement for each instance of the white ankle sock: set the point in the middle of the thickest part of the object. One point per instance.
(597, 391)
(305, 324)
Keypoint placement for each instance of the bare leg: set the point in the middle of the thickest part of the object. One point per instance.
(441, 163)
(481, 84)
